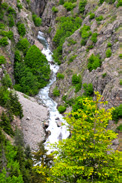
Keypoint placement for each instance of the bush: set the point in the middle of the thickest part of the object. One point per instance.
(78, 87)
(4, 5)
(92, 15)
(19, 5)
(4, 41)
(93, 62)
(94, 37)
(85, 34)
(8, 34)
(120, 82)
(119, 128)
(56, 92)
(11, 21)
(82, 5)
(99, 18)
(21, 29)
(117, 113)
(119, 3)
(2, 60)
(54, 9)
(61, 109)
(23, 45)
(88, 89)
(61, 2)
(2, 26)
(69, 6)
(71, 42)
(104, 75)
(108, 53)
(72, 58)
(109, 45)
(37, 20)
(120, 56)
(60, 76)
(76, 79)
(10, 10)
(1, 14)
(6, 81)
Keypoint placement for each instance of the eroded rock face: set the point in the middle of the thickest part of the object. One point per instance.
(38, 6)
(32, 123)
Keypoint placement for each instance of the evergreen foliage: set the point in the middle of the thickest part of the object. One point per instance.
(108, 52)
(69, 5)
(82, 5)
(2, 59)
(54, 9)
(56, 92)
(60, 76)
(93, 62)
(61, 109)
(21, 29)
(88, 89)
(23, 45)
(77, 82)
(85, 34)
(117, 113)
(37, 20)
(4, 42)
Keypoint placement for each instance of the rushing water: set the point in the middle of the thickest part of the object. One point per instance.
(57, 133)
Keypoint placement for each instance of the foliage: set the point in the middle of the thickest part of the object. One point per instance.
(6, 81)
(54, 9)
(23, 45)
(119, 128)
(107, 1)
(77, 82)
(120, 82)
(19, 5)
(2, 59)
(117, 113)
(99, 18)
(72, 58)
(84, 156)
(109, 45)
(104, 75)
(85, 34)
(69, 6)
(88, 89)
(4, 5)
(8, 34)
(1, 14)
(11, 21)
(93, 62)
(17, 56)
(92, 15)
(21, 29)
(10, 10)
(2, 26)
(61, 109)
(82, 5)
(66, 27)
(60, 76)
(120, 56)
(61, 2)
(94, 37)
(71, 42)
(119, 3)
(108, 53)
(4, 41)
(37, 20)
(56, 92)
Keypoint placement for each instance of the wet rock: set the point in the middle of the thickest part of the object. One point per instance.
(48, 133)
(46, 125)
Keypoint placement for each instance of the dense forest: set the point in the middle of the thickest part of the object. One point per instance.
(87, 155)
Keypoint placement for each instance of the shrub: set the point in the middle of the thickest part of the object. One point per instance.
(78, 87)
(119, 128)
(109, 45)
(2, 60)
(94, 37)
(2, 26)
(82, 5)
(6, 81)
(4, 5)
(99, 18)
(56, 92)
(23, 45)
(1, 14)
(93, 62)
(88, 89)
(120, 82)
(10, 10)
(72, 58)
(117, 113)
(61, 2)
(92, 15)
(21, 29)
(71, 42)
(19, 5)
(108, 53)
(4, 41)
(54, 9)
(61, 109)
(8, 34)
(37, 20)
(85, 33)
(104, 75)
(28, 1)
(120, 56)
(69, 6)
(11, 21)
(60, 76)
(119, 3)
(76, 79)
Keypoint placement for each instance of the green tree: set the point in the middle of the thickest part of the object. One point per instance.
(87, 155)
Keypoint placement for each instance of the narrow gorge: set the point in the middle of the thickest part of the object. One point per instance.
(60, 91)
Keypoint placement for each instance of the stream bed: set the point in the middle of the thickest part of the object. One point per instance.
(58, 132)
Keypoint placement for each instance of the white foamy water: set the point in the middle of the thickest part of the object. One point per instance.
(57, 133)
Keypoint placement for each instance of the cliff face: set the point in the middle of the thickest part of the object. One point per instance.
(105, 79)
(38, 6)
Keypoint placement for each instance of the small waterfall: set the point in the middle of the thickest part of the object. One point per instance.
(57, 133)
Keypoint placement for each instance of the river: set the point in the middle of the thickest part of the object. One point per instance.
(57, 133)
